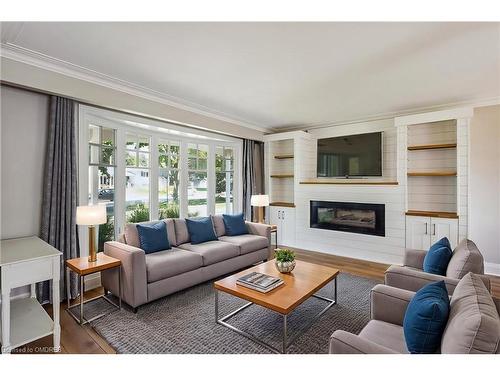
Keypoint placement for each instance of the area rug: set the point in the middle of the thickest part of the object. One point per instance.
(185, 322)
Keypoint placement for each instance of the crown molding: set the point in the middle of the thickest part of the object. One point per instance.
(30, 57)
(391, 115)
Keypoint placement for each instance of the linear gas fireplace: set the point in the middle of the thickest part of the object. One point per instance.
(363, 218)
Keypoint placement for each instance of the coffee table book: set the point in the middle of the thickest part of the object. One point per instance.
(259, 282)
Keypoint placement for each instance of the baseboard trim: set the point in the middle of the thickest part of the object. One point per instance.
(492, 268)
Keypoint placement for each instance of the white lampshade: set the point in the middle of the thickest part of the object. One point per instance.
(91, 215)
(259, 200)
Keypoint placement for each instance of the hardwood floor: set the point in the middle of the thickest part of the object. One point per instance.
(76, 339)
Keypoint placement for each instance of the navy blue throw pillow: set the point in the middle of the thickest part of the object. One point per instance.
(443, 242)
(235, 224)
(201, 230)
(153, 237)
(425, 319)
(437, 258)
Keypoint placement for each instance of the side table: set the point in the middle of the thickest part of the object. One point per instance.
(27, 261)
(83, 267)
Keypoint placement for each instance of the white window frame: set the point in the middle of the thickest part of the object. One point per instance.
(156, 130)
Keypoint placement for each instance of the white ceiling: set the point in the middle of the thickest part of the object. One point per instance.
(283, 74)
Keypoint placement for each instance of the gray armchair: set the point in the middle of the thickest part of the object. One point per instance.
(411, 276)
(473, 324)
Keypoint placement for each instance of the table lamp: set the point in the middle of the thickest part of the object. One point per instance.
(91, 216)
(260, 201)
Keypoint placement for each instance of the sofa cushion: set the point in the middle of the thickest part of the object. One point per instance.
(385, 334)
(132, 236)
(426, 318)
(201, 230)
(153, 237)
(220, 229)
(168, 263)
(436, 260)
(247, 242)
(465, 258)
(474, 324)
(235, 224)
(213, 251)
(181, 232)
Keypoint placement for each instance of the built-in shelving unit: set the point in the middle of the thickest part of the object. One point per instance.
(433, 169)
(436, 146)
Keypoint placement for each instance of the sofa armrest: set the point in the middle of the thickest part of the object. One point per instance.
(263, 230)
(342, 342)
(134, 281)
(412, 279)
(414, 258)
(389, 304)
(259, 229)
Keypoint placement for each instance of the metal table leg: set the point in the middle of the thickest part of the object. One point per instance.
(284, 334)
(82, 282)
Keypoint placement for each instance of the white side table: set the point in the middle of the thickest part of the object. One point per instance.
(26, 261)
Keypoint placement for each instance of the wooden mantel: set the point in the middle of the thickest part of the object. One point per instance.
(347, 181)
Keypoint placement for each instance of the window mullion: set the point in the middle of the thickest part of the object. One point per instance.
(211, 179)
(153, 179)
(120, 179)
(183, 188)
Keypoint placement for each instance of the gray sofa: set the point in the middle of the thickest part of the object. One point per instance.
(473, 325)
(466, 258)
(146, 277)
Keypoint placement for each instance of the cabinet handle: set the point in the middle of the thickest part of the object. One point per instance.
(283, 215)
(425, 228)
(279, 215)
(433, 229)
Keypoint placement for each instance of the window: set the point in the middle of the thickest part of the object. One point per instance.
(101, 181)
(137, 178)
(142, 170)
(224, 180)
(197, 179)
(168, 179)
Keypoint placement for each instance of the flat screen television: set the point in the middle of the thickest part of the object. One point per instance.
(357, 155)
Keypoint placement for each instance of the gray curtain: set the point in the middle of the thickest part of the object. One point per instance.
(253, 173)
(60, 191)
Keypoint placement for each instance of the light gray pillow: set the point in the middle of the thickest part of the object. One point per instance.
(465, 258)
(473, 324)
(218, 221)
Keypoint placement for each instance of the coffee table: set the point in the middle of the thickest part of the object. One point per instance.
(303, 282)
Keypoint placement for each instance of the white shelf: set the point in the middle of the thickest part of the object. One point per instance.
(28, 322)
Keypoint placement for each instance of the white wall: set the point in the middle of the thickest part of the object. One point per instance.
(24, 120)
(485, 184)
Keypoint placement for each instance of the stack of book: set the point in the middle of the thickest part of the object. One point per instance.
(259, 281)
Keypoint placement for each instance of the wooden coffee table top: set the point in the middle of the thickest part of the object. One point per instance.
(82, 266)
(305, 280)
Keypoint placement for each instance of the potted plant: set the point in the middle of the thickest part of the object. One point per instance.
(284, 260)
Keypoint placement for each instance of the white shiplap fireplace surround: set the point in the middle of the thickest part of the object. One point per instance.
(290, 161)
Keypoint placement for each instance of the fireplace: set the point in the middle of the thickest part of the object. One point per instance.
(353, 217)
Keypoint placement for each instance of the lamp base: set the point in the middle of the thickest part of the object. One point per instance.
(259, 215)
(92, 249)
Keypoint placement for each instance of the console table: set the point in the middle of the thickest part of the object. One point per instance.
(26, 261)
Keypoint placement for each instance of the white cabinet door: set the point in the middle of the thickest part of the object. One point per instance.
(275, 218)
(287, 226)
(418, 232)
(444, 228)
